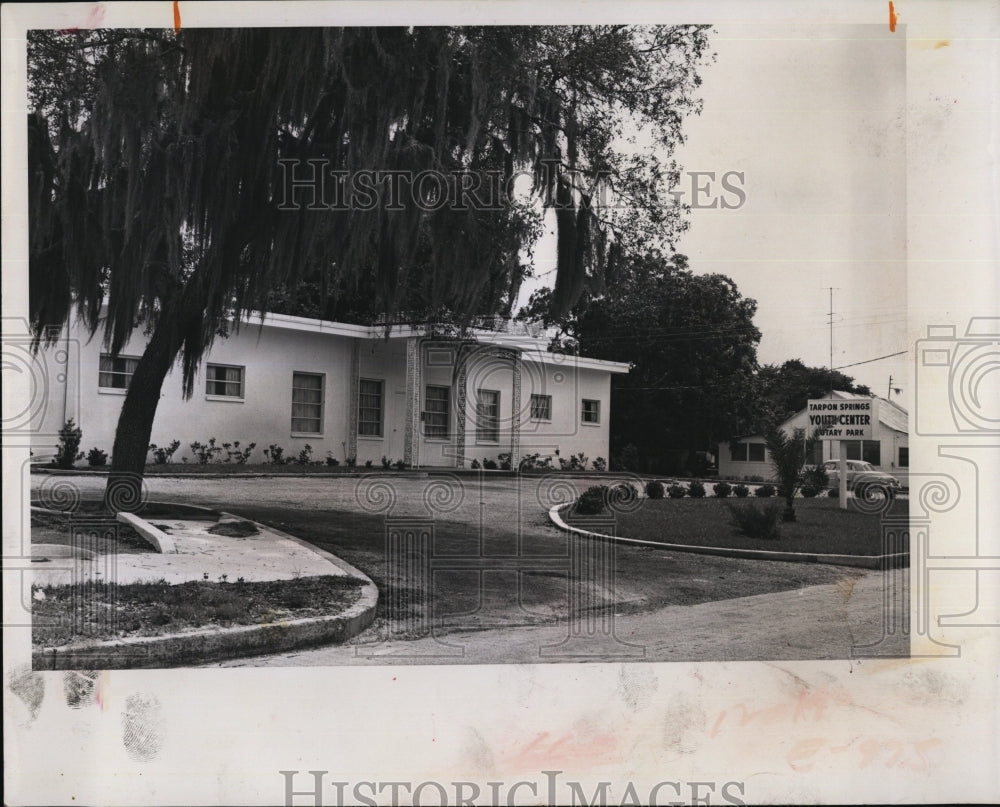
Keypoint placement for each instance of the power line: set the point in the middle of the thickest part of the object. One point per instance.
(869, 361)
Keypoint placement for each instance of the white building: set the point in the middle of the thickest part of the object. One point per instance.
(888, 450)
(351, 391)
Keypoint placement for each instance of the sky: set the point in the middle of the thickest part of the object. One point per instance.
(813, 117)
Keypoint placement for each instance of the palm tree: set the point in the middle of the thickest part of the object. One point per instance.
(788, 457)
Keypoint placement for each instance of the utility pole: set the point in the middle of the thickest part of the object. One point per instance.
(888, 394)
(831, 288)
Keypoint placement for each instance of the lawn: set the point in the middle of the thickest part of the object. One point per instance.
(821, 526)
(158, 608)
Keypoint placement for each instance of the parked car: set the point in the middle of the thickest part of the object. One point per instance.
(862, 478)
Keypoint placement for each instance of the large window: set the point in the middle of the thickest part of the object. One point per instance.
(307, 403)
(488, 416)
(370, 402)
(590, 411)
(541, 407)
(904, 457)
(747, 452)
(436, 411)
(867, 450)
(116, 371)
(224, 381)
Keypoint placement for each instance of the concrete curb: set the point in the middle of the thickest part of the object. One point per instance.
(859, 561)
(217, 644)
(163, 543)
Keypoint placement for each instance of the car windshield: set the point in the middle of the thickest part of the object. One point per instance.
(864, 466)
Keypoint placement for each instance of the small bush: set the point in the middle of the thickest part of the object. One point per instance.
(676, 491)
(96, 457)
(756, 522)
(164, 454)
(741, 491)
(834, 493)
(368, 463)
(475, 465)
(808, 491)
(205, 452)
(236, 454)
(68, 450)
(600, 464)
(654, 489)
(386, 463)
(764, 492)
(275, 454)
(352, 462)
(696, 490)
(332, 461)
(621, 495)
(591, 502)
(504, 461)
(815, 477)
(722, 490)
(305, 455)
(490, 465)
(399, 465)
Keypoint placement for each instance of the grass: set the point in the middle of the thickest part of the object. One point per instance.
(158, 608)
(821, 526)
(53, 529)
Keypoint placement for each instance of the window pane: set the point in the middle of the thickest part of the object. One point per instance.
(756, 452)
(738, 452)
(541, 407)
(488, 416)
(436, 411)
(226, 381)
(370, 408)
(904, 457)
(872, 452)
(116, 372)
(853, 449)
(591, 411)
(307, 403)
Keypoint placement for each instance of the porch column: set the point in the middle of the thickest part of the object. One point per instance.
(352, 405)
(515, 412)
(411, 434)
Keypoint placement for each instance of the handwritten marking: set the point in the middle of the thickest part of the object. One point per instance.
(892, 17)
(177, 16)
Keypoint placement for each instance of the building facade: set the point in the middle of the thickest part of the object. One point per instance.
(351, 391)
(888, 450)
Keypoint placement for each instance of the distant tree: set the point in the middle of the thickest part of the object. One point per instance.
(158, 167)
(784, 390)
(692, 344)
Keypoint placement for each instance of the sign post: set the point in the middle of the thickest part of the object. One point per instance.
(843, 420)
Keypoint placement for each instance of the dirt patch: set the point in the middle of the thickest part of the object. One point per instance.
(55, 529)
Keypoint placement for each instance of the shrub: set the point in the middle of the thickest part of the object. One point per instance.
(352, 462)
(764, 492)
(654, 489)
(676, 491)
(621, 494)
(756, 522)
(305, 455)
(578, 462)
(399, 465)
(164, 454)
(808, 491)
(475, 465)
(386, 463)
(722, 489)
(368, 463)
(600, 464)
(205, 452)
(275, 454)
(236, 454)
(815, 477)
(741, 491)
(504, 461)
(489, 465)
(332, 461)
(591, 502)
(68, 450)
(696, 490)
(96, 457)
(834, 493)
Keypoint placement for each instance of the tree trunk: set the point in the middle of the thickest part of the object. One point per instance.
(135, 423)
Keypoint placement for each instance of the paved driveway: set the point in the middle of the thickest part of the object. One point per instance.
(499, 581)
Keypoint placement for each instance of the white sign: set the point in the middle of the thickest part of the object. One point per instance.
(842, 418)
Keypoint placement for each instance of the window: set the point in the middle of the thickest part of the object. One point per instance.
(867, 450)
(436, 411)
(488, 416)
(224, 381)
(370, 408)
(747, 452)
(738, 452)
(116, 371)
(591, 411)
(307, 403)
(755, 452)
(541, 407)
(904, 456)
